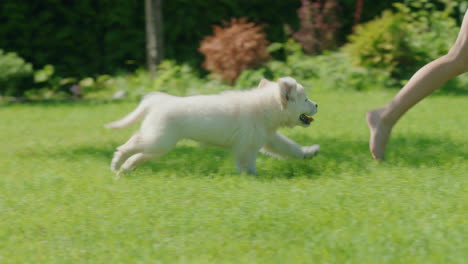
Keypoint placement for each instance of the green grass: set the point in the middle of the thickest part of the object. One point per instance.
(60, 204)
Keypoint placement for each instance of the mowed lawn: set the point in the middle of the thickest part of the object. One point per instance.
(60, 204)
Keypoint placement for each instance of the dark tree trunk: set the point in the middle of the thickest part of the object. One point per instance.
(358, 12)
(154, 35)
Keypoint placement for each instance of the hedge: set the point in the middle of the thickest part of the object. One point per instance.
(89, 37)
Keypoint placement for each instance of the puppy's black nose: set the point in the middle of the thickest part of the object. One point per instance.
(316, 105)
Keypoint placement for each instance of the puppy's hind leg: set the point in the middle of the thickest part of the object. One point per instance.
(132, 163)
(125, 151)
(152, 147)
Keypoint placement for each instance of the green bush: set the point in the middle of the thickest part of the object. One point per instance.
(401, 42)
(429, 32)
(90, 37)
(331, 71)
(173, 78)
(15, 74)
(378, 43)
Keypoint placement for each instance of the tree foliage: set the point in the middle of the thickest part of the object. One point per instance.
(88, 37)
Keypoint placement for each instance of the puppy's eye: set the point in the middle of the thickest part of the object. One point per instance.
(306, 99)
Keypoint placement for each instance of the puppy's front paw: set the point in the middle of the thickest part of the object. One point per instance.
(310, 151)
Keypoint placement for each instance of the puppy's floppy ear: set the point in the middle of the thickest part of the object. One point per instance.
(288, 90)
(263, 82)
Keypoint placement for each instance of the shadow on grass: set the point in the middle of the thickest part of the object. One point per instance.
(74, 154)
(453, 87)
(419, 150)
(65, 102)
(337, 156)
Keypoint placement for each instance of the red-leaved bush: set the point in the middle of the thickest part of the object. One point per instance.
(237, 46)
(319, 25)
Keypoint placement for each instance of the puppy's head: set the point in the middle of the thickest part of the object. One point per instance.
(295, 103)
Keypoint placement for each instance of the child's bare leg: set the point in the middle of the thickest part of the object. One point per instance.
(425, 81)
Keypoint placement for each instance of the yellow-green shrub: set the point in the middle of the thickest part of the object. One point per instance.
(402, 41)
(15, 74)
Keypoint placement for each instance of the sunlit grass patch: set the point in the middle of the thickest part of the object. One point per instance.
(60, 204)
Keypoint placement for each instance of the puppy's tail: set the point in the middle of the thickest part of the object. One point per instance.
(135, 116)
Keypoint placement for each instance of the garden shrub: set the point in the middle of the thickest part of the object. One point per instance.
(429, 32)
(403, 41)
(330, 71)
(171, 77)
(319, 26)
(379, 43)
(108, 36)
(15, 74)
(51, 86)
(178, 79)
(237, 46)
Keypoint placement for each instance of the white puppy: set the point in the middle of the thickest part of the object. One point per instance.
(243, 121)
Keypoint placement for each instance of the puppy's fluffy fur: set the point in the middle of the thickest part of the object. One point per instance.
(242, 121)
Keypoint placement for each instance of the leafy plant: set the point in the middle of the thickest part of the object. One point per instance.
(402, 41)
(173, 78)
(378, 43)
(237, 46)
(429, 32)
(319, 25)
(15, 73)
(330, 71)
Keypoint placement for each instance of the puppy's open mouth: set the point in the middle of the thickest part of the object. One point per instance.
(305, 119)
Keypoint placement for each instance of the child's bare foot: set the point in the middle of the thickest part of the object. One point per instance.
(379, 133)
